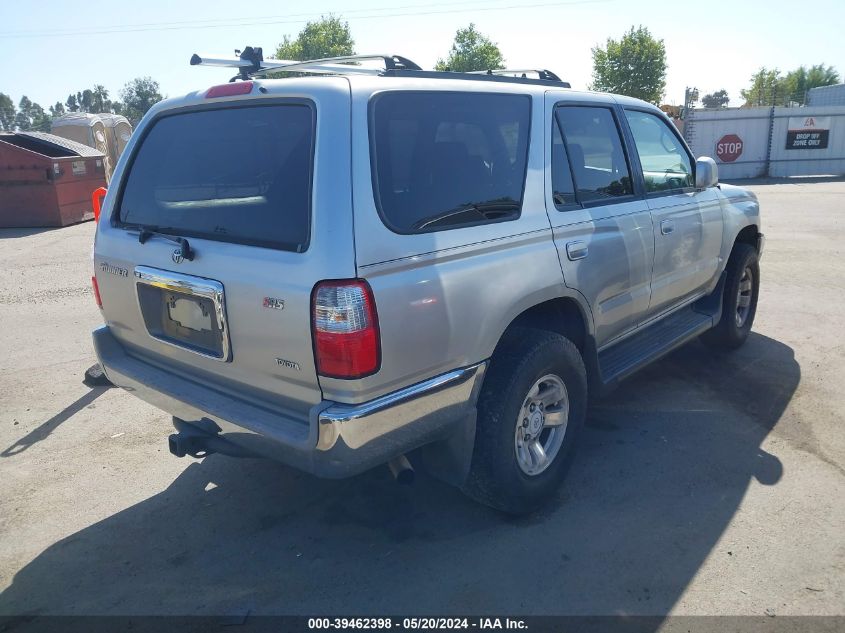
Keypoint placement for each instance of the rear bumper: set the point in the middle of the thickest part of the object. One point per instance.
(330, 440)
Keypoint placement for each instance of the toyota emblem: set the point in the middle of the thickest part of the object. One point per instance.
(177, 256)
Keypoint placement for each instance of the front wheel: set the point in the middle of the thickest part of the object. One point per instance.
(739, 302)
(530, 411)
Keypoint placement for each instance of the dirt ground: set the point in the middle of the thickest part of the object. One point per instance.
(705, 485)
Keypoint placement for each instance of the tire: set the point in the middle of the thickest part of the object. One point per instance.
(498, 476)
(734, 326)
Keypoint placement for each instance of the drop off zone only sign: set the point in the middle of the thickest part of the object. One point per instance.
(809, 132)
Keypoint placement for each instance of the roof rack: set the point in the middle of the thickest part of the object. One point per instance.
(476, 76)
(251, 62)
(542, 73)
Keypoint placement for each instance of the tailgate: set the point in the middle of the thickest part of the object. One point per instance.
(238, 181)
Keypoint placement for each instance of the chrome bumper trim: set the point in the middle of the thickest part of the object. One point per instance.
(331, 440)
(428, 403)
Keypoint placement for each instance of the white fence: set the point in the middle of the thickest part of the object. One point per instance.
(772, 141)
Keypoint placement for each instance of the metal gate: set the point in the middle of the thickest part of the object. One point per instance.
(771, 141)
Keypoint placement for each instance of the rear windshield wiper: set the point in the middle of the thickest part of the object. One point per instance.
(146, 232)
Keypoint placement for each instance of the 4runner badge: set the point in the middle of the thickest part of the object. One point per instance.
(113, 270)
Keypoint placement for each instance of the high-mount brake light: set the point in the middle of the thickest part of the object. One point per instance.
(230, 89)
(345, 328)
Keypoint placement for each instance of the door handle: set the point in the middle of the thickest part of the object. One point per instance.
(576, 250)
(667, 226)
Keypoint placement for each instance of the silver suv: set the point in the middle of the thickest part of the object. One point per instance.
(335, 270)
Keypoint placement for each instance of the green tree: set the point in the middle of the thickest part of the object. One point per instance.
(819, 75)
(718, 99)
(7, 113)
(794, 86)
(100, 100)
(797, 82)
(327, 37)
(57, 110)
(635, 66)
(766, 86)
(31, 117)
(41, 120)
(85, 99)
(471, 51)
(22, 120)
(139, 95)
(71, 104)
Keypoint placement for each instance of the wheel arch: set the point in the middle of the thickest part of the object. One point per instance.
(567, 316)
(563, 315)
(749, 234)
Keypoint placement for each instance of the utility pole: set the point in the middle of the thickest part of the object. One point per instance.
(690, 97)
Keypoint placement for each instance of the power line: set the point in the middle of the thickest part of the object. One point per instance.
(178, 26)
(234, 21)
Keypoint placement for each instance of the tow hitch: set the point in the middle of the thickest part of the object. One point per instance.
(194, 441)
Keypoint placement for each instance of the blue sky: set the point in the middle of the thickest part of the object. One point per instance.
(710, 45)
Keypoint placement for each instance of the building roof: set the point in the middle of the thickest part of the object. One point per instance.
(831, 87)
(826, 95)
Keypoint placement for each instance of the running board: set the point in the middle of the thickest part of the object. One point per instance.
(654, 341)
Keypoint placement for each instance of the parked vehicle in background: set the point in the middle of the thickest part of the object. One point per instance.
(334, 271)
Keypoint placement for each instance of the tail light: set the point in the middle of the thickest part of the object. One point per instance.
(345, 328)
(96, 287)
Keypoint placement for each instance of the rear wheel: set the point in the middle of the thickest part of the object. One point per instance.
(739, 301)
(530, 411)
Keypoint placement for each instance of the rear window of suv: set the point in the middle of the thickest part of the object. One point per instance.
(240, 174)
(448, 160)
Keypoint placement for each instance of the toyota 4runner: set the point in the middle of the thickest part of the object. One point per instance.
(334, 270)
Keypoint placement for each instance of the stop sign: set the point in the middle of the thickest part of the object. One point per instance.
(729, 148)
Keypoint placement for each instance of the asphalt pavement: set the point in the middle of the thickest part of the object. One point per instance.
(706, 484)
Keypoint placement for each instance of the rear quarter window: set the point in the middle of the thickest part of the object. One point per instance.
(448, 160)
(239, 174)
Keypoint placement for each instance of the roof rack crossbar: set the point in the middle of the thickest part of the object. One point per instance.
(542, 73)
(251, 62)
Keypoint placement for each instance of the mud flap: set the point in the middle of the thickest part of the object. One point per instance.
(449, 459)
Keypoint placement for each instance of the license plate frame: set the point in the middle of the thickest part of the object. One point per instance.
(158, 290)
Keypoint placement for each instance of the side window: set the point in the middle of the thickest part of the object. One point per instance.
(563, 190)
(448, 160)
(596, 153)
(666, 164)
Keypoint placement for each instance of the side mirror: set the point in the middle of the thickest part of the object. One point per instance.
(706, 173)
